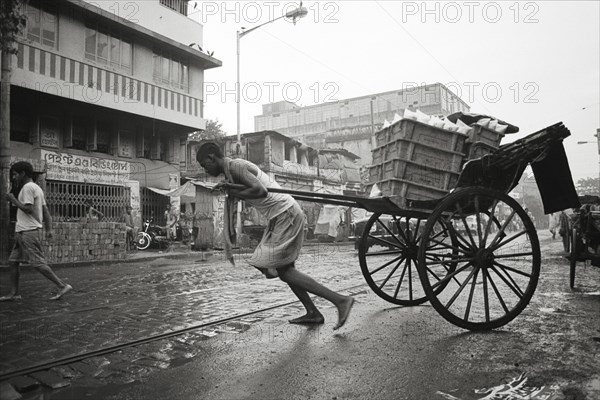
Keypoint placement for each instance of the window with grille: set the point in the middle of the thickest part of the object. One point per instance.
(153, 206)
(170, 71)
(108, 47)
(42, 24)
(66, 200)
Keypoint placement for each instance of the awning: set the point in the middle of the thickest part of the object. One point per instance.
(187, 190)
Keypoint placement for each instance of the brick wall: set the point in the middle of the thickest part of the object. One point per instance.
(94, 241)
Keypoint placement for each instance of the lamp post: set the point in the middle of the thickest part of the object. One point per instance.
(294, 14)
(597, 135)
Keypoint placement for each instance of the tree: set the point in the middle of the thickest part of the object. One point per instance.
(588, 186)
(12, 21)
(214, 131)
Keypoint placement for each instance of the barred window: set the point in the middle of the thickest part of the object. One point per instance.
(65, 200)
(180, 6)
(153, 206)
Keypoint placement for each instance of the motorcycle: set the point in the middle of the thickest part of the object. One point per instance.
(151, 234)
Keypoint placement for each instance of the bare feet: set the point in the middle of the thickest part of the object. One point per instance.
(62, 292)
(343, 311)
(309, 319)
(11, 297)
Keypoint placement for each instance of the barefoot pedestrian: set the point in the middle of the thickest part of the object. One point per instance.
(31, 214)
(280, 246)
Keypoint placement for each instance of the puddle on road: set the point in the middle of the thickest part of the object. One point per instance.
(516, 389)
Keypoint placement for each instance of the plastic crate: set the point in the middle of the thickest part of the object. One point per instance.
(401, 189)
(381, 137)
(485, 136)
(437, 158)
(417, 173)
(419, 132)
(479, 149)
(377, 155)
(409, 150)
(375, 173)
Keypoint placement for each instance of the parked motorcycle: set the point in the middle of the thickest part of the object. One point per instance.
(151, 234)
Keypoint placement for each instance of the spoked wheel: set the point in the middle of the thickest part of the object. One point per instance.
(495, 265)
(388, 251)
(142, 241)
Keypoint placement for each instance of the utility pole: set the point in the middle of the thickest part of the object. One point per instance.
(4, 153)
(598, 140)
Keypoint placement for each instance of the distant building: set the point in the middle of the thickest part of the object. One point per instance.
(350, 123)
(290, 163)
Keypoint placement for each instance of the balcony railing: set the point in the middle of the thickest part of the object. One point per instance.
(99, 85)
(181, 6)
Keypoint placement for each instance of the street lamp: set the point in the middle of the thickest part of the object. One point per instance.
(597, 135)
(294, 15)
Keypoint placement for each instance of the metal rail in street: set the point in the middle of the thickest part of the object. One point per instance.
(149, 339)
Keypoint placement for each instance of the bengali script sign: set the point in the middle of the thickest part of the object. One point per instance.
(76, 168)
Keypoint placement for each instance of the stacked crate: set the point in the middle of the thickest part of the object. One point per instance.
(414, 160)
(482, 141)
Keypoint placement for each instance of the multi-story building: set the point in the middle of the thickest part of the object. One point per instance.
(103, 96)
(350, 123)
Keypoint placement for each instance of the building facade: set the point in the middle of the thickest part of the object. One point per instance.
(290, 163)
(103, 95)
(351, 123)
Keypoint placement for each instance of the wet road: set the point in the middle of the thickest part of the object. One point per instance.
(384, 351)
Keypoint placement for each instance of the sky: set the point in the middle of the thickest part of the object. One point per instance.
(531, 64)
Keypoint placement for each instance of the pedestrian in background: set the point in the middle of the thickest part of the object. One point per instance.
(127, 218)
(91, 213)
(171, 218)
(280, 246)
(32, 215)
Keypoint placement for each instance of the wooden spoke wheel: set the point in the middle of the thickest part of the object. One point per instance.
(494, 264)
(388, 251)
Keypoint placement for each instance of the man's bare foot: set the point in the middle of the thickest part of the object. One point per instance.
(309, 319)
(11, 297)
(62, 292)
(343, 311)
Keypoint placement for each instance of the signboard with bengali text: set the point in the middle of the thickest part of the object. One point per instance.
(77, 168)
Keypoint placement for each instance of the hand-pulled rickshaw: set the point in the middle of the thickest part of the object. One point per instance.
(473, 254)
(585, 234)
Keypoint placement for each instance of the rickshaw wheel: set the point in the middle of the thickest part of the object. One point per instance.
(495, 266)
(388, 250)
(575, 249)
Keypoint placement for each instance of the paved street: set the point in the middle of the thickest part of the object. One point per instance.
(123, 302)
(555, 341)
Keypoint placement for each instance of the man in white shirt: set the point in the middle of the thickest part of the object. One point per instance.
(31, 213)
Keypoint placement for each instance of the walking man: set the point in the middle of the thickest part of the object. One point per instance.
(280, 246)
(31, 213)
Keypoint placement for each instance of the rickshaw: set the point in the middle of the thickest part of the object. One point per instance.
(457, 251)
(585, 235)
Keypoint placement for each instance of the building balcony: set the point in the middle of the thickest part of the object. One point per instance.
(49, 72)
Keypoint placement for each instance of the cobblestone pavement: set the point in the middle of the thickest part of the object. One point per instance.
(124, 302)
(118, 303)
